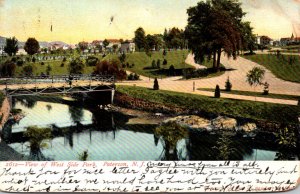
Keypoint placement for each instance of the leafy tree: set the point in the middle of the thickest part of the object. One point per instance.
(122, 58)
(140, 38)
(7, 69)
(83, 45)
(11, 46)
(112, 67)
(115, 47)
(217, 92)
(31, 46)
(48, 69)
(214, 27)
(105, 43)
(155, 86)
(76, 66)
(255, 77)
(248, 38)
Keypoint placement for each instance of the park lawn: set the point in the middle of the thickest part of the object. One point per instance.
(257, 94)
(279, 66)
(141, 61)
(230, 107)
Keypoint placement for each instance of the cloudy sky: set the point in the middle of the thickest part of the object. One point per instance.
(77, 20)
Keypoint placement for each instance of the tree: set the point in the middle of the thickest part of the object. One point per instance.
(115, 47)
(153, 64)
(48, 69)
(112, 67)
(76, 66)
(105, 43)
(214, 27)
(140, 38)
(28, 70)
(83, 45)
(122, 58)
(165, 62)
(11, 46)
(155, 86)
(7, 69)
(255, 76)
(248, 38)
(31, 46)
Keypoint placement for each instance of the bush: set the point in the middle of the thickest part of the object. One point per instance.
(171, 70)
(20, 62)
(228, 85)
(42, 63)
(158, 64)
(133, 76)
(64, 59)
(217, 92)
(127, 64)
(112, 67)
(155, 86)
(153, 64)
(33, 59)
(62, 64)
(91, 61)
(165, 62)
(266, 88)
(7, 68)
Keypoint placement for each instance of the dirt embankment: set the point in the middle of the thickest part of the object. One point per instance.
(4, 112)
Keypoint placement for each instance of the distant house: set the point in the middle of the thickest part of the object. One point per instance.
(128, 46)
(263, 40)
(285, 41)
(113, 42)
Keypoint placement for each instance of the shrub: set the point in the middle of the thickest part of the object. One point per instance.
(266, 88)
(158, 64)
(171, 70)
(123, 65)
(20, 62)
(62, 64)
(228, 85)
(42, 63)
(133, 76)
(91, 61)
(165, 62)
(136, 76)
(132, 65)
(33, 59)
(64, 59)
(155, 86)
(153, 64)
(7, 68)
(112, 67)
(127, 64)
(217, 92)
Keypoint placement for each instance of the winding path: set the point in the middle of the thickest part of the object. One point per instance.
(237, 77)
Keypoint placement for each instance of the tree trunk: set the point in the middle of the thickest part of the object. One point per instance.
(214, 60)
(219, 59)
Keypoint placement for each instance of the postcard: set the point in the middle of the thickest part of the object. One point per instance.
(149, 96)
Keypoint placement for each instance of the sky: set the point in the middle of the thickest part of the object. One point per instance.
(86, 20)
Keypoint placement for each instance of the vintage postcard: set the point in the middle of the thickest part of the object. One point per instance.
(149, 96)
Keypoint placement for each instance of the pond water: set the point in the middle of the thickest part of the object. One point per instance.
(107, 136)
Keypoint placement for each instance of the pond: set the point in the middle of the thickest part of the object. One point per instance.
(108, 136)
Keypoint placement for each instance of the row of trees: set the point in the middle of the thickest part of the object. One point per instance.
(173, 38)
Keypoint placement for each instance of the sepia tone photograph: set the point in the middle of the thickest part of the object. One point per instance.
(139, 80)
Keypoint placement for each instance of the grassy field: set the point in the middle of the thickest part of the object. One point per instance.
(142, 61)
(139, 59)
(257, 94)
(229, 107)
(279, 66)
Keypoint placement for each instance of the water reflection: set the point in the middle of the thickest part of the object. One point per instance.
(106, 136)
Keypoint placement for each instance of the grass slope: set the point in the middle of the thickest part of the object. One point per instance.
(140, 60)
(257, 94)
(279, 66)
(230, 107)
